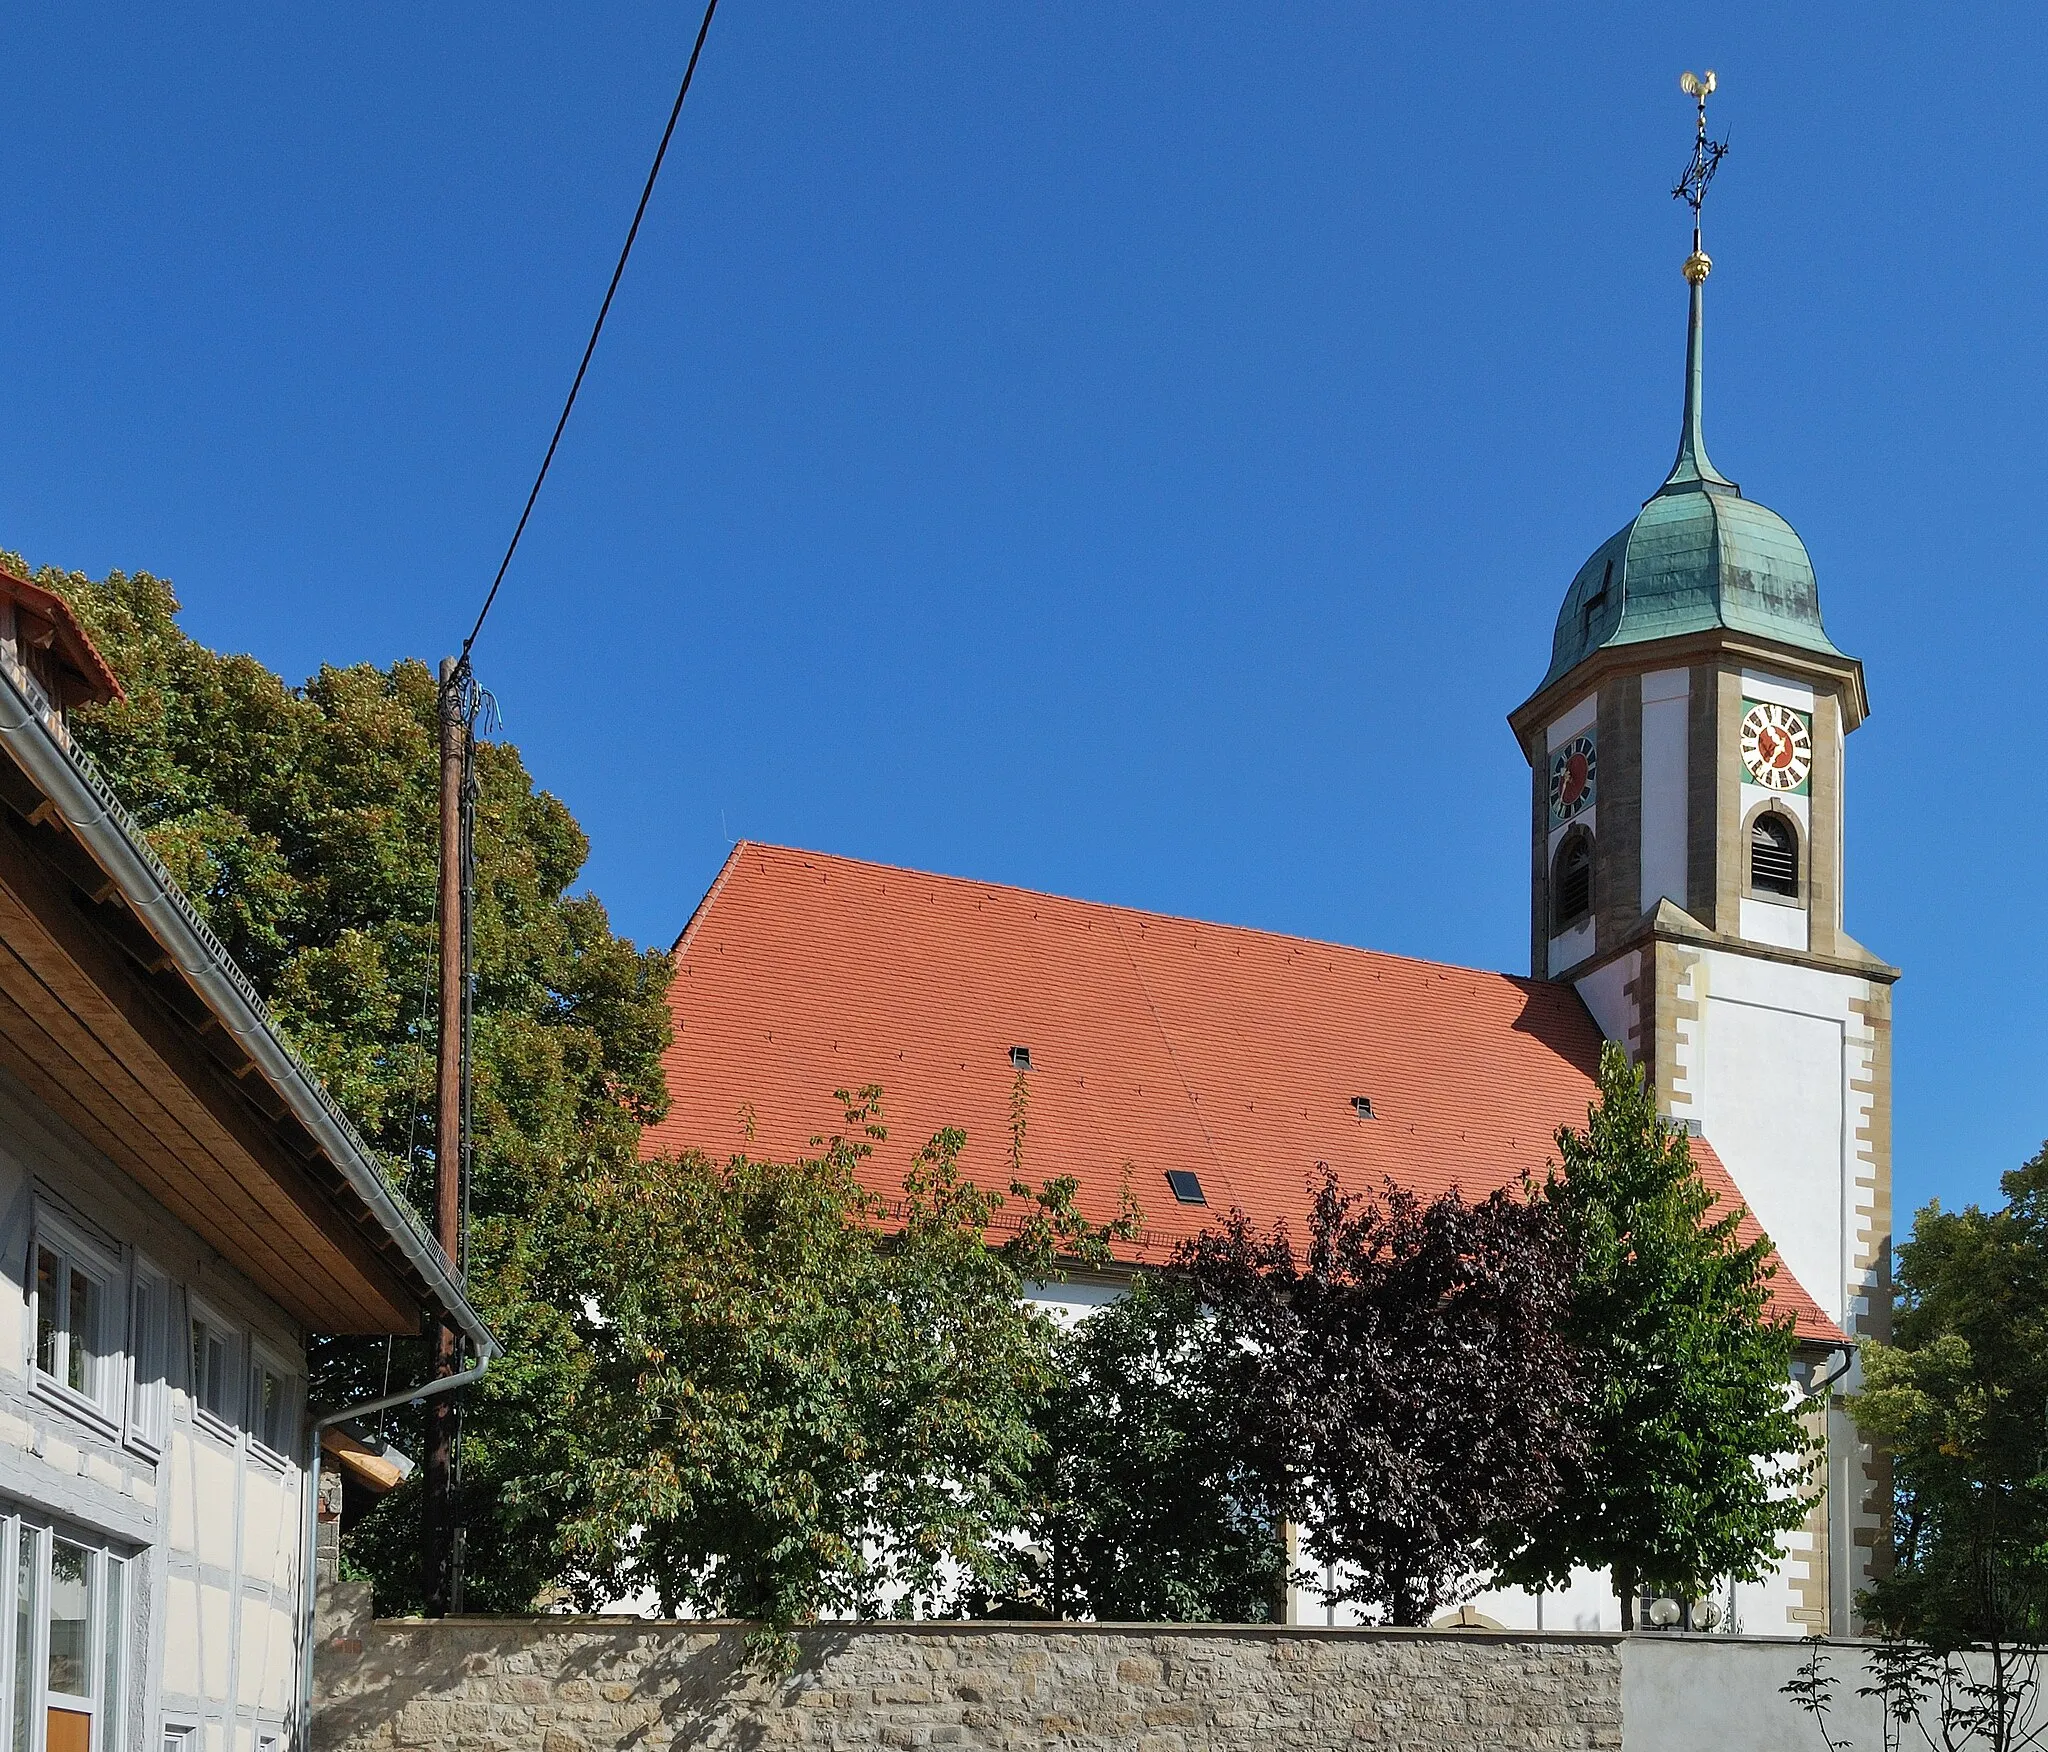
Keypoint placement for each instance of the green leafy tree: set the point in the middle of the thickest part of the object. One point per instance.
(1697, 1457)
(809, 1402)
(302, 823)
(745, 1389)
(1959, 1400)
(1148, 1509)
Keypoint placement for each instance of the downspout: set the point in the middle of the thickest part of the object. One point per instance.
(1839, 1550)
(310, 1600)
(1809, 1394)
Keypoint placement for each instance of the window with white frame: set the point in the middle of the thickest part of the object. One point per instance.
(149, 1347)
(75, 1317)
(216, 1365)
(271, 1402)
(66, 1628)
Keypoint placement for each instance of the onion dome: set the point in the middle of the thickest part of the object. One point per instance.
(1697, 556)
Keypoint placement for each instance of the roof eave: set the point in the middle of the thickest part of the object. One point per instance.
(1680, 650)
(94, 815)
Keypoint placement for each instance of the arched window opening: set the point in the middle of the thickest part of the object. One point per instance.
(1774, 857)
(1571, 881)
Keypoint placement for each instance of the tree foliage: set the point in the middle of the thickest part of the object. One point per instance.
(808, 1403)
(1959, 1399)
(302, 823)
(1697, 1459)
(748, 1388)
(1147, 1507)
(1416, 1398)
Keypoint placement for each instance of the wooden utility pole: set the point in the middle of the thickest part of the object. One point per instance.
(439, 1543)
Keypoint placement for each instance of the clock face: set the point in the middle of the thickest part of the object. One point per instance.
(1777, 746)
(1572, 771)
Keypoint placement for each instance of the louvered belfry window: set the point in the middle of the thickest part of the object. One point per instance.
(1774, 857)
(1572, 882)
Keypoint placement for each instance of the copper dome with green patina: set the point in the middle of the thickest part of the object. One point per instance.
(1697, 556)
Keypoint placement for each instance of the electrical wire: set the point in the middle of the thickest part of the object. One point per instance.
(604, 310)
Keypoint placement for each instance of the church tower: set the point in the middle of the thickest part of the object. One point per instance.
(1686, 750)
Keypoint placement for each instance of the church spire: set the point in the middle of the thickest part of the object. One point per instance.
(1693, 470)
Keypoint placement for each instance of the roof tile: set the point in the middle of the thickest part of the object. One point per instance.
(1156, 1043)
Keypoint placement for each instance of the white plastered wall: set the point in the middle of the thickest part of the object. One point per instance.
(211, 1524)
(1666, 735)
(1777, 1049)
(1605, 992)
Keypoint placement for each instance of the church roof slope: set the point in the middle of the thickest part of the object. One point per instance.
(1155, 1043)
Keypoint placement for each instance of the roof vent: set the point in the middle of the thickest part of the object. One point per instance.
(1362, 1106)
(1187, 1185)
(1020, 1058)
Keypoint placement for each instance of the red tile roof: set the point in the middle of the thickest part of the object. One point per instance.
(1156, 1043)
(88, 679)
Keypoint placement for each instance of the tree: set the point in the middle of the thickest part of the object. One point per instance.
(1957, 1399)
(1147, 1509)
(301, 822)
(1697, 1458)
(1416, 1398)
(803, 1404)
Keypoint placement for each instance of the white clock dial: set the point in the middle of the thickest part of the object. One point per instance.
(1777, 746)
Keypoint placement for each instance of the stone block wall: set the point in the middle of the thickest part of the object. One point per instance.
(595, 1685)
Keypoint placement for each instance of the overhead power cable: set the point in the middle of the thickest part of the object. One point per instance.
(597, 328)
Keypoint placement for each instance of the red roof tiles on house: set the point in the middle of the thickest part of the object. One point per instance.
(1155, 1043)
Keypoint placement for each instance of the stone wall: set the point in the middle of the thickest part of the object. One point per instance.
(605, 1685)
(592, 1685)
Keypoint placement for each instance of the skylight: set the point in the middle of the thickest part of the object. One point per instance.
(1362, 1106)
(1187, 1185)
(1020, 1058)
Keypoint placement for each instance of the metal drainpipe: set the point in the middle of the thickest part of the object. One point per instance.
(311, 1595)
(1838, 1547)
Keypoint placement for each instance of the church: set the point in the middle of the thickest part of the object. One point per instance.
(1686, 749)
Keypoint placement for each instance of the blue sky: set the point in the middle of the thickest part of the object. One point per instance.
(1132, 451)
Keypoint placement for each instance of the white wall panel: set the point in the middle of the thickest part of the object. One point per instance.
(1775, 688)
(1764, 921)
(1666, 708)
(1604, 993)
(1579, 717)
(216, 1637)
(1772, 1108)
(1571, 948)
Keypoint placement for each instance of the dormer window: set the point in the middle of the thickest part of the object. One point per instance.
(1774, 856)
(45, 653)
(1571, 882)
(1596, 604)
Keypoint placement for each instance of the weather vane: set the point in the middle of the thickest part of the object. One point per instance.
(1706, 159)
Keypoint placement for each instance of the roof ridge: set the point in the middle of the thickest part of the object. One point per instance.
(1523, 980)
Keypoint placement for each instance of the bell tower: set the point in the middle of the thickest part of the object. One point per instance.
(1686, 749)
